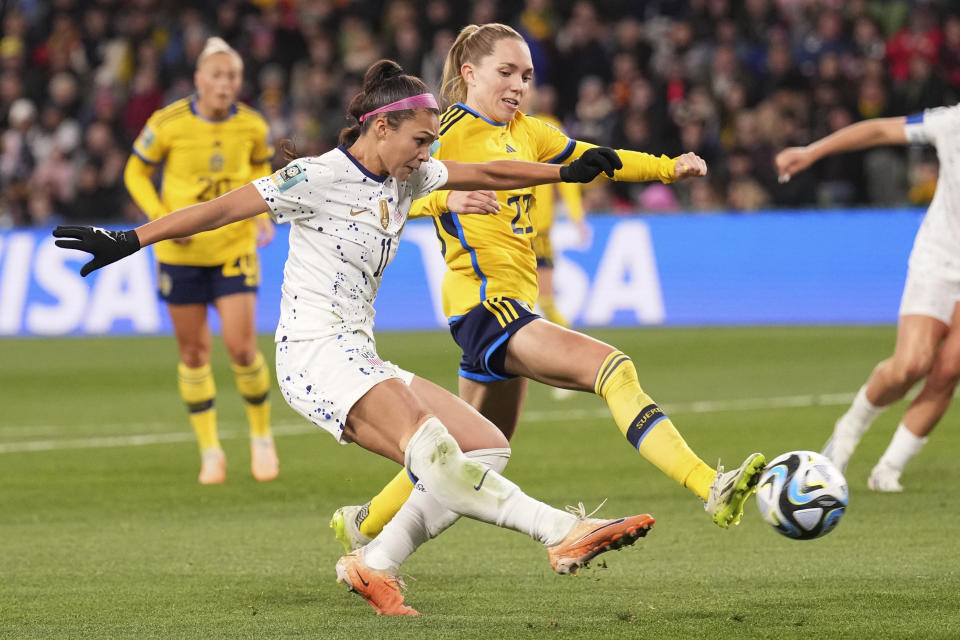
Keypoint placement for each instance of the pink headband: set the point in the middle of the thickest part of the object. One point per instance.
(421, 101)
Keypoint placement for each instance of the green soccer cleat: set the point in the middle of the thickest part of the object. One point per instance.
(346, 526)
(730, 490)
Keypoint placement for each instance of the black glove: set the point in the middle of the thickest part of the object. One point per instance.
(592, 163)
(105, 246)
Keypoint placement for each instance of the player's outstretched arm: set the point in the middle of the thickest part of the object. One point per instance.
(644, 167)
(107, 246)
(513, 174)
(860, 135)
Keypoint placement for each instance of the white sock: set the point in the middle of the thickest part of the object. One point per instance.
(904, 445)
(860, 415)
(472, 489)
(420, 518)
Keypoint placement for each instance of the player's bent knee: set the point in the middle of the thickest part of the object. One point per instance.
(616, 371)
(430, 446)
(194, 358)
(243, 357)
(433, 451)
(914, 368)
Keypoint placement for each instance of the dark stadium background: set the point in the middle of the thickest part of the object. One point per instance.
(732, 81)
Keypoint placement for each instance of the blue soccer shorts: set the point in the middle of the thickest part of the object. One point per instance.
(186, 284)
(482, 334)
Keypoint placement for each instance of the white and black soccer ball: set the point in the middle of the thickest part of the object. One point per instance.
(802, 495)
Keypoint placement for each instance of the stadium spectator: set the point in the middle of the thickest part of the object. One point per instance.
(920, 37)
(17, 163)
(950, 51)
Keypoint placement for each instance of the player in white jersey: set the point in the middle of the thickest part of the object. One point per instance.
(928, 332)
(346, 209)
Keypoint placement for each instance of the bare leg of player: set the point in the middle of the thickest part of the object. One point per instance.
(918, 339)
(924, 413)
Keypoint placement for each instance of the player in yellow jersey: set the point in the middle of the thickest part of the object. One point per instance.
(490, 284)
(542, 214)
(209, 144)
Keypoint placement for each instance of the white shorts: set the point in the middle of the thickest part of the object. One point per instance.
(927, 294)
(322, 379)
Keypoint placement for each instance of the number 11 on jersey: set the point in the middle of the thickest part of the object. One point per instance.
(385, 245)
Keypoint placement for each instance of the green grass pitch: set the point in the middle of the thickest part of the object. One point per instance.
(104, 532)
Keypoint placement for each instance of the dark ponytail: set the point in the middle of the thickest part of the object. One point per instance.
(384, 82)
(287, 149)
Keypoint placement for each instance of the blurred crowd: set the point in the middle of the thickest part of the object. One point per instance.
(731, 81)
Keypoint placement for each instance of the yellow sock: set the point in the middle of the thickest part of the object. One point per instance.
(647, 428)
(253, 382)
(550, 312)
(198, 391)
(385, 504)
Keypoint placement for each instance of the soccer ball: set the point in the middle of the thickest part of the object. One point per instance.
(802, 495)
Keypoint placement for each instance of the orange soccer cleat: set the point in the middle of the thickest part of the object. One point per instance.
(384, 591)
(591, 537)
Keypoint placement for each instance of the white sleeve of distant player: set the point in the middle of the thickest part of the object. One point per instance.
(925, 127)
(431, 175)
(293, 192)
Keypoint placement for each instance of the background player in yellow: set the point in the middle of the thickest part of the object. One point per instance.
(207, 145)
(490, 285)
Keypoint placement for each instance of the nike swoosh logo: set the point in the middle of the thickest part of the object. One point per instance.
(103, 232)
(480, 484)
(358, 211)
(609, 524)
(364, 582)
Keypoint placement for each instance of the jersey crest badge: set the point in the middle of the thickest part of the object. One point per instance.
(216, 162)
(146, 137)
(384, 214)
(289, 176)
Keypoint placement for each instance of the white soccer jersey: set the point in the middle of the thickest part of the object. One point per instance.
(937, 246)
(345, 224)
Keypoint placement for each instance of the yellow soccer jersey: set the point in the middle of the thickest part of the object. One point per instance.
(203, 159)
(490, 256)
(544, 201)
